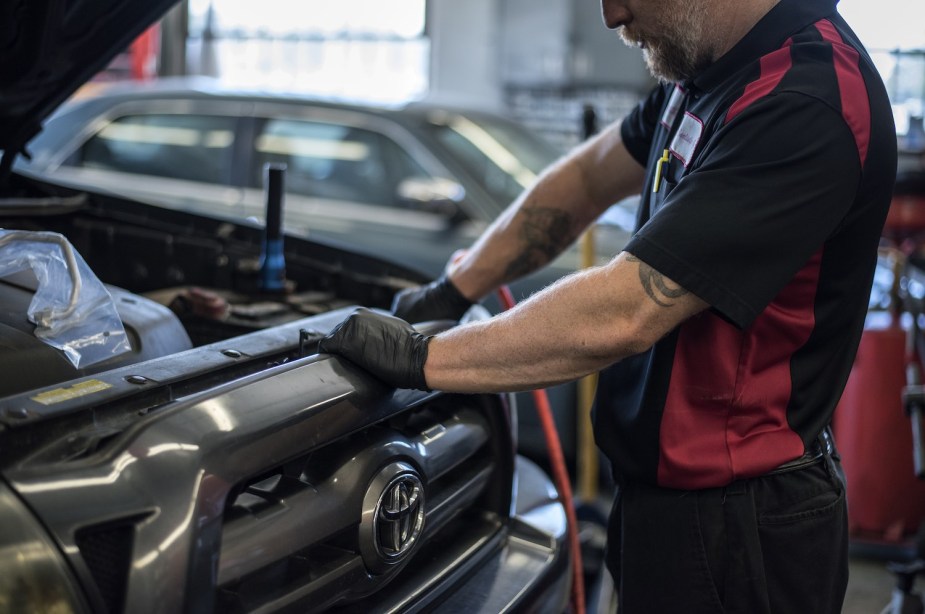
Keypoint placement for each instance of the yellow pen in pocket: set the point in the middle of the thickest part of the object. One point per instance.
(658, 172)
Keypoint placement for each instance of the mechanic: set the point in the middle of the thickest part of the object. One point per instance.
(726, 329)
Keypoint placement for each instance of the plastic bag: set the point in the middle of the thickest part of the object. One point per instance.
(72, 310)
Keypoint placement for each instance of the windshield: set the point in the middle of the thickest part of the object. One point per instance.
(502, 156)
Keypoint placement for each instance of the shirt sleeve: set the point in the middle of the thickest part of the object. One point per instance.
(638, 128)
(764, 195)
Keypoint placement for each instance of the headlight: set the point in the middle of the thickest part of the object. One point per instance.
(34, 576)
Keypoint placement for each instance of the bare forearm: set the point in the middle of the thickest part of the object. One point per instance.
(578, 325)
(550, 216)
(507, 353)
(529, 234)
(575, 327)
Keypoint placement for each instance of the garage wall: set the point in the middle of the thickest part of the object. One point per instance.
(464, 39)
(536, 45)
(541, 61)
(564, 43)
(600, 55)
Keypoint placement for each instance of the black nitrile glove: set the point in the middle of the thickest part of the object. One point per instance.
(438, 300)
(386, 346)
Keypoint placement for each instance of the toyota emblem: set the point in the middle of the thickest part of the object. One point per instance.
(393, 516)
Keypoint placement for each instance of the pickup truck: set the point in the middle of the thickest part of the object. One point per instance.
(216, 462)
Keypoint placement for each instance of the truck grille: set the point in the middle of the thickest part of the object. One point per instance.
(298, 486)
(107, 551)
(337, 525)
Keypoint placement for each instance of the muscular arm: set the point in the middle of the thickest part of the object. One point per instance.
(548, 217)
(577, 326)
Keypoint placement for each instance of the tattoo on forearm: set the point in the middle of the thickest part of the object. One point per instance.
(545, 233)
(655, 285)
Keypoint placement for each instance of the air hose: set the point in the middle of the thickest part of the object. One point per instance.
(559, 476)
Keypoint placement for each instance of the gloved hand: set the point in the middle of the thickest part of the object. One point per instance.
(386, 346)
(438, 300)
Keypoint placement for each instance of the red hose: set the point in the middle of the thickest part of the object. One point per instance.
(560, 477)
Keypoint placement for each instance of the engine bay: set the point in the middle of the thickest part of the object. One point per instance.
(178, 280)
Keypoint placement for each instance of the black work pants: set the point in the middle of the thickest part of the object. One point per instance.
(776, 544)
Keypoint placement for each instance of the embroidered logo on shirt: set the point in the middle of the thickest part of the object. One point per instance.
(686, 138)
(674, 105)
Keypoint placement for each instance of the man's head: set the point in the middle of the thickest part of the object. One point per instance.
(679, 38)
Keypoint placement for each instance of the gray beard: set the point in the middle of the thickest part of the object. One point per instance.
(673, 65)
(677, 55)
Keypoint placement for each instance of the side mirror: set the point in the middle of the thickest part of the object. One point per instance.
(432, 194)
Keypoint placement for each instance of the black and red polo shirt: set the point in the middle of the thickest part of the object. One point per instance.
(769, 178)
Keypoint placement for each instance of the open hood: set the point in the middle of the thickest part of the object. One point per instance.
(49, 48)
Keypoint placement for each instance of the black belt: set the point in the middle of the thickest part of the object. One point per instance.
(822, 447)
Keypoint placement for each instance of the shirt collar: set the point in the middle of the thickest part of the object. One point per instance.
(782, 21)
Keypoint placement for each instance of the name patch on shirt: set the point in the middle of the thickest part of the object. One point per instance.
(674, 105)
(686, 139)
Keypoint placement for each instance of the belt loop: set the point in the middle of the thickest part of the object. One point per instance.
(733, 489)
(827, 441)
(830, 453)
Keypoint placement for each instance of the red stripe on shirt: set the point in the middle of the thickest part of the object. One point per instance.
(855, 106)
(773, 68)
(725, 413)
